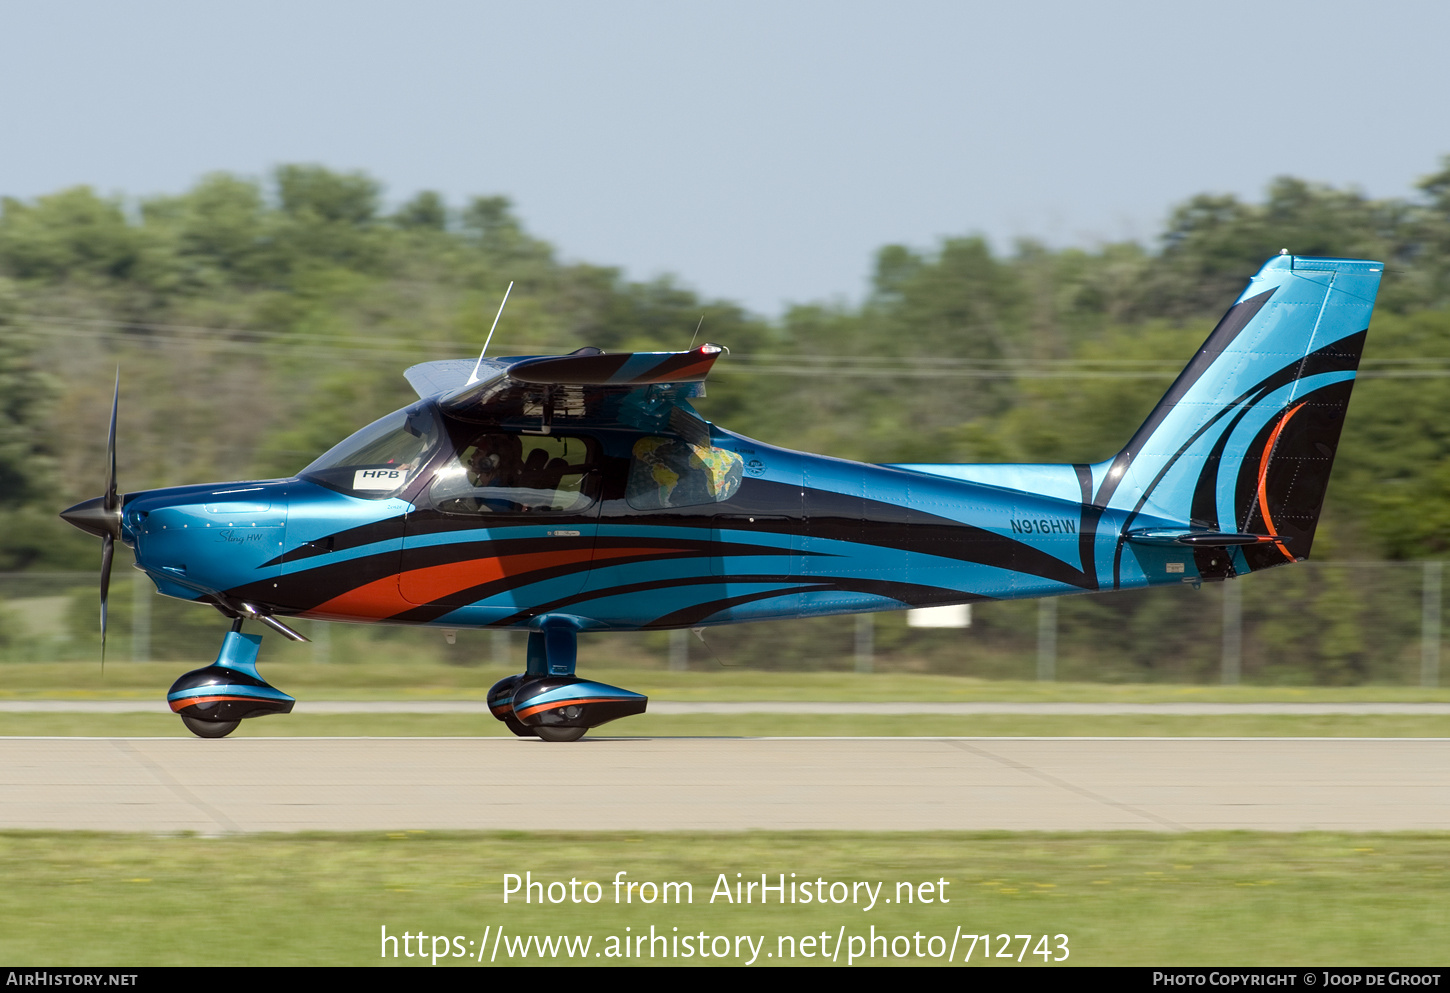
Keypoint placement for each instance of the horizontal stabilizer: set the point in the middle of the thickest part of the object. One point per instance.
(1200, 539)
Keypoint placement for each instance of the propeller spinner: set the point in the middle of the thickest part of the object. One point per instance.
(102, 515)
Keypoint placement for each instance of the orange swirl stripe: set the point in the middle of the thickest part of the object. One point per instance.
(382, 598)
(1264, 478)
(179, 705)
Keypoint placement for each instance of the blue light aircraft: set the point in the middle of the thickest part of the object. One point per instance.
(565, 494)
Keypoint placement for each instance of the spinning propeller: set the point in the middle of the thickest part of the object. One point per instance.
(102, 515)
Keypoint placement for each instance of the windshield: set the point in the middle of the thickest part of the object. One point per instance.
(380, 459)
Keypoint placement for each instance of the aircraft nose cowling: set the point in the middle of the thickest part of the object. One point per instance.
(92, 517)
(222, 541)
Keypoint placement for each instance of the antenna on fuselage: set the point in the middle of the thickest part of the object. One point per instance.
(479, 364)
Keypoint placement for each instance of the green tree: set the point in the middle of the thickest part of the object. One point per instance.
(67, 234)
(426, 210)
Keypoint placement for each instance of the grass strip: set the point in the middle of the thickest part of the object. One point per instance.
(1211, 898)
(424, 681)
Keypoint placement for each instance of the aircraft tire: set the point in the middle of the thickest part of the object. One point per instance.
(209, 729)
(559, 734)
(519, 728)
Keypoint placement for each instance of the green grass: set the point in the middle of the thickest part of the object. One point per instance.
(1121, 898)
(750, 725)
(424, 681)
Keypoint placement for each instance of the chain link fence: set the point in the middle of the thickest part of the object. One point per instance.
(1319, 624)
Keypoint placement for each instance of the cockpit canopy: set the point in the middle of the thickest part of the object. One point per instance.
(489, 469)
(481, 469)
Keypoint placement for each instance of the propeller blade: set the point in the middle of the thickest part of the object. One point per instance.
(108, 551)
(112, 505)
(110, 498)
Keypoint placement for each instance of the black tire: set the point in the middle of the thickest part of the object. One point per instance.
(209, 729)
(559, 734)
(518, 727)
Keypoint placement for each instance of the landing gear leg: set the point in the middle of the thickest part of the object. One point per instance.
(548, 700)
(212, 701)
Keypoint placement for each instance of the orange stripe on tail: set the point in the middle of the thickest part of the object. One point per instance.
(1264, 478)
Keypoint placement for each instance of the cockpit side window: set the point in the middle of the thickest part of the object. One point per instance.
(499, 472)
(379, 460)
(671, 472)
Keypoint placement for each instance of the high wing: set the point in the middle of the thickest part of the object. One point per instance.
(647, 390)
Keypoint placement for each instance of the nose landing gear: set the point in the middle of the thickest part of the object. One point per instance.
(213, 700)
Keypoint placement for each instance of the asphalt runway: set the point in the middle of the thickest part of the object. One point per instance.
(674, 707)
(726, 784)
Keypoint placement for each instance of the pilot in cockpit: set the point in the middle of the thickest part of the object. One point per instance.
(496, 461)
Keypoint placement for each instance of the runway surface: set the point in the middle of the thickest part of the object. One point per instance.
(966, 709)
(1039, 784)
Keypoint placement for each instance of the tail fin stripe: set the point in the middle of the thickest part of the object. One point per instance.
(1087, 532)
(1264, 475)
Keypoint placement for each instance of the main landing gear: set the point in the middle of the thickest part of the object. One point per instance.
(547, 701)
(212, 701)
(551, 703)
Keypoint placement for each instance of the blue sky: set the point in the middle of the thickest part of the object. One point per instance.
(760, 152)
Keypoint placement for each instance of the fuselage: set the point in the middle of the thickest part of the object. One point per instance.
(621, 535)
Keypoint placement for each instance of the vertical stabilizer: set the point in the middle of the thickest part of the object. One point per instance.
(1244, 439)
